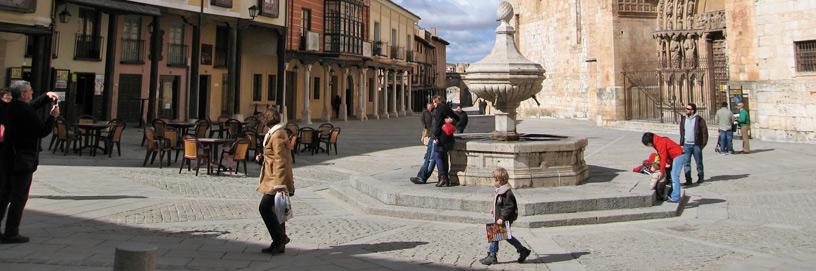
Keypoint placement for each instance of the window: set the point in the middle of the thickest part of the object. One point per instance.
(317, 88)
(221, 46)
(257, 87)
(88, 42)
(344, 26)
(377, 31)
(272, 90)
(305, 27)
(805, 56)
(29, 49)
(177, 51)
(132, 42)
(221, 3)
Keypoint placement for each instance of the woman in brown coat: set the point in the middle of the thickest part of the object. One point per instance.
(276, 176)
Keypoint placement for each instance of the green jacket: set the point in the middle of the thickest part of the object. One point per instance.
(744, 118)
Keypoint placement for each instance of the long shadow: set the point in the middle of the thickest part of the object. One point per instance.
(75, 243)
(554, 258)
(109, 197)
(599, 174)
(704, 201)
(727, 178)
(761, 151)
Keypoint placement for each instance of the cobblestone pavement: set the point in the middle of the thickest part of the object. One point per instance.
(755, 212)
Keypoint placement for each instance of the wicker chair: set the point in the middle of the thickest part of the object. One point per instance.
(66, 135)
(200, 129)
(114, 136)
(194, 151)
(331, 140)
(234, 128)
(155, 146)
(306, 138)
(237, 153)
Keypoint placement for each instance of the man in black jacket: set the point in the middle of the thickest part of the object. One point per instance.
(25, 130)
(428, 163)
(693, 138)
(440, 114)
(463, 119)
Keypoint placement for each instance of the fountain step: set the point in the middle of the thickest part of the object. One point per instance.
(373, 206)
(394, 189)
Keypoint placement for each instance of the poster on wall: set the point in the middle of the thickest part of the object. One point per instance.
(61, 79)
(19, 5)
(99, 84)
(221, 3)
(206, 54)
(269, 8)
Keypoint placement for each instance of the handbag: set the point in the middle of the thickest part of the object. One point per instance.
(2, 133)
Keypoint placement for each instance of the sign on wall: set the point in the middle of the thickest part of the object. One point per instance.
(206, 54)
(61, 79)
(19, 5)
(269, 8)
(99, 84)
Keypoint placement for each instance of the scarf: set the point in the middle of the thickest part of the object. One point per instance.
(500, 190)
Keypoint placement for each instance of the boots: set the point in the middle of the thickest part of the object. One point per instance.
(443, 180)
(490, 259)
(523, 255)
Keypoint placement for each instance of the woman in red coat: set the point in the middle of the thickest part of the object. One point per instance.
(672, 152)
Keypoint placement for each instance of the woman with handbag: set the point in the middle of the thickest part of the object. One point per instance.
(276, 181)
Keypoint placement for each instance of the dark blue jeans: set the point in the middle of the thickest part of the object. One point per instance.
(428, 164)
(440, 157)
(726, 141)
(690, 150)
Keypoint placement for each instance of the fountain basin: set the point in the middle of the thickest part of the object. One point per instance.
(536, 160)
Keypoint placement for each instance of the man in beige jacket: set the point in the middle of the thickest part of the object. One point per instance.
(276, 177)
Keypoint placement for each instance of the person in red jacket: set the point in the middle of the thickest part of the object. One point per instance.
(672, 152)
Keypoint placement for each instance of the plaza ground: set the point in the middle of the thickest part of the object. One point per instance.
(754, 212)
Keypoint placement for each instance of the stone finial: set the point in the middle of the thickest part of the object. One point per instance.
(505, 12)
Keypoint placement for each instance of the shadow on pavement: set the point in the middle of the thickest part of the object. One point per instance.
(109, 197)
(599, 174)
(727, 178)
(704, 201)
(553, 258)
(74, 243)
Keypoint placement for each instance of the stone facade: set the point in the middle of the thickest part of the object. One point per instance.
(587, 47)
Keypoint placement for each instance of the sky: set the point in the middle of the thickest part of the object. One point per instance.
(468, 25)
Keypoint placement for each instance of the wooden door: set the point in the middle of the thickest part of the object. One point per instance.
(130, 98)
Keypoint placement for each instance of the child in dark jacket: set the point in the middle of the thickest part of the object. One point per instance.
(504, 209)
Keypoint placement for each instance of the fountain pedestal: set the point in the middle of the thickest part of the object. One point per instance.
(534, 161)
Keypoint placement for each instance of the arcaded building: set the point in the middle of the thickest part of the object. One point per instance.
(624, 61)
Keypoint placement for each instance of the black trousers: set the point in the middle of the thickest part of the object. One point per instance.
(14, 188)
(267, 208)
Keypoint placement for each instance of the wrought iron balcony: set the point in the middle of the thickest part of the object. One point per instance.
(132, 51)
(397, 52)
(380, 48)
(410, 56)
(177, 55)
(88, 47)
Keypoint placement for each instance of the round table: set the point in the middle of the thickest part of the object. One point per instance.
(93, 132)
(182, 126)
(214, 144)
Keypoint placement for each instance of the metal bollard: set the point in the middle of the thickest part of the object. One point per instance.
(135, 257)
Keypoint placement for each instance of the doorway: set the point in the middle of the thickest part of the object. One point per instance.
(168, 97)
(349, 95)
(203, 96)
(83, 100)
(291, 93)
(130, 98)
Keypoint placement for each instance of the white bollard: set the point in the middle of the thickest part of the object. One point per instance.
(135, 257)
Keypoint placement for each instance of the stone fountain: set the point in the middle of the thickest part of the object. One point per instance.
(506, 78)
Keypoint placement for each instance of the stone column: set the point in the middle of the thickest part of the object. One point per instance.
(410, 95)
(385, 94)
(307, 113)
(376, 109)
(403, 88)
(282, 102)
(342, 89)
(363, 94)
(327, 110)
(394, 96)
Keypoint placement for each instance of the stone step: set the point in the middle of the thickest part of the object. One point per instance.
(531, 201)
(373, 206)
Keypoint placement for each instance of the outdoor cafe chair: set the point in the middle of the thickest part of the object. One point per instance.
(293, 141)
(87, 119)
(293, 127)
(237, 153)
(194, 151)
(253, 142)
(66, 136)
(200, 130)
(306, 138)
(219, 126)
(234, 128)
(114, 136)
(53, 136)
(171, 138)
(155, 146)
(331, 140)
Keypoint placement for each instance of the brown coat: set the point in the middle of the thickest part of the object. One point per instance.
(277, 168)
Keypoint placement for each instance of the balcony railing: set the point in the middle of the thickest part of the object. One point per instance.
(132, 51)
(380, 48)
(397, 52)
(409, 56)
(88, 47)
(177, 55)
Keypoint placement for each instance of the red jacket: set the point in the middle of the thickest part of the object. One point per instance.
(666, 148)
